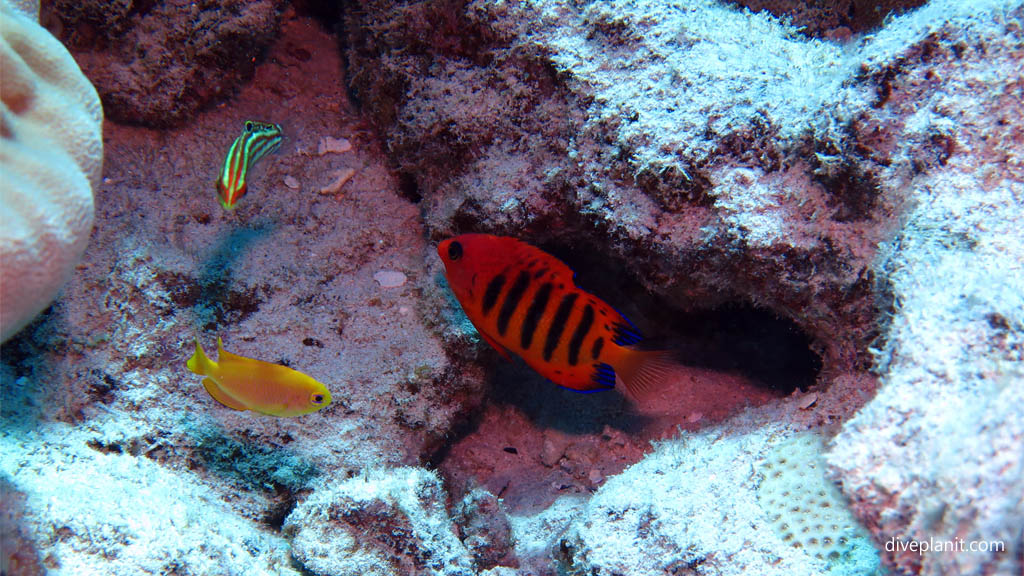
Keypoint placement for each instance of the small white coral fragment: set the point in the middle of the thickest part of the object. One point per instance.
(330, 145)
(390, 278)
(291, 182)
(808, 400)
(341, 177)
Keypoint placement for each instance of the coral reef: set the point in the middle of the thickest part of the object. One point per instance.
(102, 511)
(379, 523)
(51, 154)
(648, 134)
(701, 182)
(936, 455)
(157, 63)
(808, 511)
(661, 515)
(484, 529)
(148, 471)
(824, 222)
(834, 20)
(19, 555)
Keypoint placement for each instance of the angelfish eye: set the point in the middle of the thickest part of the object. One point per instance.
(248, 126)
(317, 398)
(454, 251)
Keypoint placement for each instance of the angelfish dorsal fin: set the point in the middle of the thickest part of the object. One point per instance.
(225, 356)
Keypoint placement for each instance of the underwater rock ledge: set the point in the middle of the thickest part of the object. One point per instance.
(158, 63)
(869, 190)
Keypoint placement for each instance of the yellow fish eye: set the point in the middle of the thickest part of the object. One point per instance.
(317, 399)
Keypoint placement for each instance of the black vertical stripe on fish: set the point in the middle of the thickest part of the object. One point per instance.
(534, 313)
(492, 292)
(595, 350)
(558, 324)
(580, 333)
(512, 298)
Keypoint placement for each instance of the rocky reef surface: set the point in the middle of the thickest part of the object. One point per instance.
(823, 220)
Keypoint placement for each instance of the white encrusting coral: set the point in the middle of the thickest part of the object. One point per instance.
(381, 522)
(707, 501)
(688, 72)
(113, 513)
(935, 458)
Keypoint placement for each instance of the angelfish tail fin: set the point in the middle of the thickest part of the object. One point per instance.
(199, 363)
(642, 371)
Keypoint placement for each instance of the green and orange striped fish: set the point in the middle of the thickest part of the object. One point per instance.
(257, 140)
(524, 300)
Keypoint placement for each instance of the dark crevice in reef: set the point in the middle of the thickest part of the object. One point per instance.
(829, 19)
(409, 188)
(282, 504)
(461, 427)
(770, 350)
(327, 12)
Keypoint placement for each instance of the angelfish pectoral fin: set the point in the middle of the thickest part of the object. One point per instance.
(214, 390)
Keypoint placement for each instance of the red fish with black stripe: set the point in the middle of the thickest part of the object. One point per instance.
(524, 301)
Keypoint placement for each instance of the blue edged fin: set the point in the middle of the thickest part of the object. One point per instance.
(603, 378)
(604, 375)
(626, 334)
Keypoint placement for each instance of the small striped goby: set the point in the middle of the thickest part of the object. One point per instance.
(257, 140)
(524, 301)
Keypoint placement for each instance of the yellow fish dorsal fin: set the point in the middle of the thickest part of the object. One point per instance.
(225, 356)
(214, 390)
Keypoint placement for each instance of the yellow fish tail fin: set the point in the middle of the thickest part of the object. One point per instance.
(199, 363)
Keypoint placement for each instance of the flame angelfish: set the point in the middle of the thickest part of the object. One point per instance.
(246, 384)
(524, 300)
(257, 140)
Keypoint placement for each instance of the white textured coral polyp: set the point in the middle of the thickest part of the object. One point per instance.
(51, 154)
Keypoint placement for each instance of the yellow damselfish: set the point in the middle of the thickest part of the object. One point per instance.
(246, 384)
